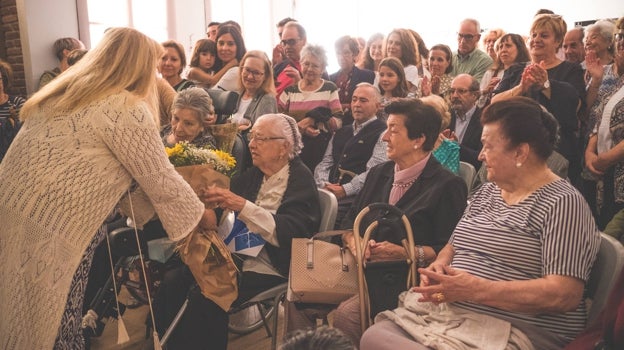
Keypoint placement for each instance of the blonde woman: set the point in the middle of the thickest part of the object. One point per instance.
(87, 137)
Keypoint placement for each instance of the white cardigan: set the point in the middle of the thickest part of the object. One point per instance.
(61, 177)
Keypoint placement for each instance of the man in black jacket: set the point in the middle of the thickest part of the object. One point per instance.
(353, 150)
(465, 127)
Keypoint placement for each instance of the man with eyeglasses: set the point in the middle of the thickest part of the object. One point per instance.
(211, 31)
(278, 50)
(465, 127)
(469, 59)
(353, 150)
(288, 72)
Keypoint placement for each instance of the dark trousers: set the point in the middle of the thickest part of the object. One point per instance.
(204, 325)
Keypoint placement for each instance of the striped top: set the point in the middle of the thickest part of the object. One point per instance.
(551, 232)
(297, 103)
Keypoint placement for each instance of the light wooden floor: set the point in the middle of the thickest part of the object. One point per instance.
(135, 324)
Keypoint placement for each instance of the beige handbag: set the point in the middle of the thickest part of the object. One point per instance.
(321, 272)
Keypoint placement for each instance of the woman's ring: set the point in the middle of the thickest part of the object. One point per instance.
(439, 297)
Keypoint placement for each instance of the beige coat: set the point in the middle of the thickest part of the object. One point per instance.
(61, 177)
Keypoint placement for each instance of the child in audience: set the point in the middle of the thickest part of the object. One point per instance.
(202, 63)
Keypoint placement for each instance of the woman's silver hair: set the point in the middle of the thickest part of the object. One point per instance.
(286, 127)
(195, 99)
(316, 51)
(606, 29)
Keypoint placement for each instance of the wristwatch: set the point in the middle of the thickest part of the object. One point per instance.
(546, 85)
(421, 256)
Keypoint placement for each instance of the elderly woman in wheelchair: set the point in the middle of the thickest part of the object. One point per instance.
(515, 268)
(430, 196)
(276, 199)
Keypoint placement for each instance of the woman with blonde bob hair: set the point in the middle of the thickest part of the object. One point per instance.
(88, 137)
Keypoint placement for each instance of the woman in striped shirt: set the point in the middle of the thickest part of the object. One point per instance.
(516, 265)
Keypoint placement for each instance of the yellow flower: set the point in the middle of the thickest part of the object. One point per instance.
(176, 150)
(226, 157)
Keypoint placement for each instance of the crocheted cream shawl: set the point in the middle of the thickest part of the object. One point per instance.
(61, 177)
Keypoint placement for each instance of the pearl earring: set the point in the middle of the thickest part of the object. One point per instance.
(518, 165)
(415, 146)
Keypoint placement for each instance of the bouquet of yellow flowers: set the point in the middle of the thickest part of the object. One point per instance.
(185, 154)
(202, 167)
(205, 252)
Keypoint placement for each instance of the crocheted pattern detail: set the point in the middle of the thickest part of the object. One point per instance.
(62, 175)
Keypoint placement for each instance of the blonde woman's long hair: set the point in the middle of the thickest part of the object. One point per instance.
(125, 59)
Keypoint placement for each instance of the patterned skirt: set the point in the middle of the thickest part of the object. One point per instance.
(69, 335)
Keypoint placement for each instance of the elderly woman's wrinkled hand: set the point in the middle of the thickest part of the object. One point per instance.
(593, 67)
(385, 250)
(222, 198)
(447, 285)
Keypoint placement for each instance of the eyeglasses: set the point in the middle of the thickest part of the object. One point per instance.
(262, 139)
(618, 36)
(458, 91)
(254, 73)
(289, 42)
(467, 37)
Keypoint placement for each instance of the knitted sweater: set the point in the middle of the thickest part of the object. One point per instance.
(60, 179)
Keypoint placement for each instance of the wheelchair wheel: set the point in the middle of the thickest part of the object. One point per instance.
(247, 319)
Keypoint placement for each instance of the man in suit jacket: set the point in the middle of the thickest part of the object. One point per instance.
(465, 125)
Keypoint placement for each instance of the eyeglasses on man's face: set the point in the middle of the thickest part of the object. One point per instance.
(290, 42)
(459, 91)
(467, 37)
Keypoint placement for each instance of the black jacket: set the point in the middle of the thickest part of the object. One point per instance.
(433, 204)
(299, 214)
(471, 145)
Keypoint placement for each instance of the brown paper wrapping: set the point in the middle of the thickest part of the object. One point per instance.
(203, 176)
(213, 269)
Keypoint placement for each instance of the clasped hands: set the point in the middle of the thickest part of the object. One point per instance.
(533, 77)
(441, 283)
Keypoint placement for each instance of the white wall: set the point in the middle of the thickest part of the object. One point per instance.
(41, 23)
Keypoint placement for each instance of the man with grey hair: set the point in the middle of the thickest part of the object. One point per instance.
(573, 46)
(465, 127)
(353, 150)
(468, 58)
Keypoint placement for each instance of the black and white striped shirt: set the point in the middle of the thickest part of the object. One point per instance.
(551, 232)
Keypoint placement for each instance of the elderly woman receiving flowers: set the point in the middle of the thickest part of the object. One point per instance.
(277, 200)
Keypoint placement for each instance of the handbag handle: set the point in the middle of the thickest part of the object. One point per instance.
(360, 245)
(310, 256)
(320, 235)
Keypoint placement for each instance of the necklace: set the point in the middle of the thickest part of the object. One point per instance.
(403, 185)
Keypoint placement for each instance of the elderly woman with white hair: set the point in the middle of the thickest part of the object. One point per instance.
(191, 112)
(315, 104)
(278, 200)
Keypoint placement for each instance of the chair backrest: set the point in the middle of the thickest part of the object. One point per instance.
(225, 103)
(467, 172)
(604, 273)
(329, 210)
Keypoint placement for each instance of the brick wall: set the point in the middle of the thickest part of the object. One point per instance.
(11, 46)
